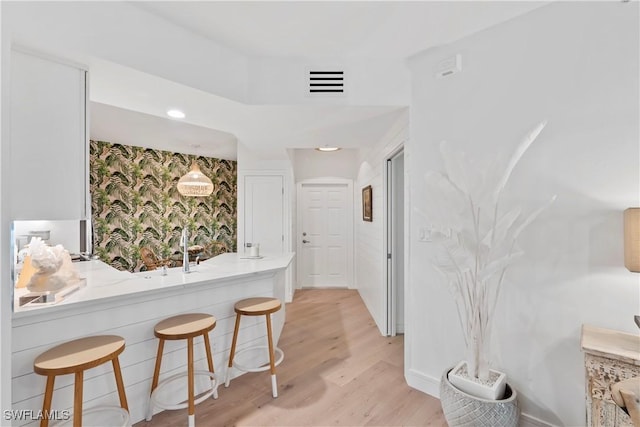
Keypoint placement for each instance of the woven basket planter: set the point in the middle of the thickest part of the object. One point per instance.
(464, 410)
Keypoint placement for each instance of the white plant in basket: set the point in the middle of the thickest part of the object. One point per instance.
(476, 244)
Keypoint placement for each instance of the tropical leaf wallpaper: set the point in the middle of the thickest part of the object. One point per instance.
(135, 203)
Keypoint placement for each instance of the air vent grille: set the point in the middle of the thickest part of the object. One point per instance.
(326, 82)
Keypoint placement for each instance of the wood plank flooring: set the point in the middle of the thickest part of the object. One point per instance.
(337, 370)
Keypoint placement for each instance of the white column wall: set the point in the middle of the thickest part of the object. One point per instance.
(370, 255)
(575, 64)
(5, 224)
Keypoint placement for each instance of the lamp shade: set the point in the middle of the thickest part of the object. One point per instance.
(632, 239)
(195, 183)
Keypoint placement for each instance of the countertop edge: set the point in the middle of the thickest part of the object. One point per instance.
(21, 318)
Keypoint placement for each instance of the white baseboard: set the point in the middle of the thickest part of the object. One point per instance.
(422, 382)
(431, 386)
(527, 420)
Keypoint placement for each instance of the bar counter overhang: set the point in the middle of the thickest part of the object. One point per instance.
(129, 305)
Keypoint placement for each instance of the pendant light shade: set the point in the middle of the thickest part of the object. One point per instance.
(195, 183)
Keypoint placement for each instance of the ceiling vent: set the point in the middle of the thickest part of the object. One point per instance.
(326, 82)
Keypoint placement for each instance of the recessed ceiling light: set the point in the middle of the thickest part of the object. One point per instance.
(325, 148)
(176, 114)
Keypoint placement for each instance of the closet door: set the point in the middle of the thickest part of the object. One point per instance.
(48, 139)
(264, 212)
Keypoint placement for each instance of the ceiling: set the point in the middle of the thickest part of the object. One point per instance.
(268, 130)
(321, 29)
(149, 131)
(129, 106)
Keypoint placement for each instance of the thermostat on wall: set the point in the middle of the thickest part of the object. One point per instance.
(449, 66)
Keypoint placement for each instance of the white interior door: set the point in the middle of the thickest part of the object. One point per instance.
(325, 235)
(398, 241)
(264, 212)
(395, 243)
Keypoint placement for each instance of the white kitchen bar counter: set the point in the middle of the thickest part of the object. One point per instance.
(129, 305)
(106, 284)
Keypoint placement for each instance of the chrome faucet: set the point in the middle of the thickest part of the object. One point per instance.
(185, 250)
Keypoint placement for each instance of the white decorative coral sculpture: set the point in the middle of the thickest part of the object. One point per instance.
(47, 261)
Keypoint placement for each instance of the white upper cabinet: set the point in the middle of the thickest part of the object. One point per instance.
(49, 161)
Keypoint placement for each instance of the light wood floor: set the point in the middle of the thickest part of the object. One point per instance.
(337, 370)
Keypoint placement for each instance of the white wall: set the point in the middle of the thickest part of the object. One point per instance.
(370, 258)
(310, 164)
(65, 233)
(5, 225)
(575, 64)
(249, 160)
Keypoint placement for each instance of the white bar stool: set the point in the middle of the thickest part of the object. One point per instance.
(256, 307)
(184, 326)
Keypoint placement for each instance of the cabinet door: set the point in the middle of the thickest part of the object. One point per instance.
(48, 139)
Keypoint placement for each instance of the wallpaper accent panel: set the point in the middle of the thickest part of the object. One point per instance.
(135, 203)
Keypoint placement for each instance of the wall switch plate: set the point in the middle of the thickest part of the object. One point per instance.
(424, 234)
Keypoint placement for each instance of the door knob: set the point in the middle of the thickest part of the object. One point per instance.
(305, 241)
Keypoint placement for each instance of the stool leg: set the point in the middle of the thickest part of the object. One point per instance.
(192, 408)
(272, 358)
(120, 383)
(46, 405)
(233, 350)
(156, 375)
(207, 346)
(77, 399)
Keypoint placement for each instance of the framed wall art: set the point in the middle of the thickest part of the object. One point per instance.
(367, 204)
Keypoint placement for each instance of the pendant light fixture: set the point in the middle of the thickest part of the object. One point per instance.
(195, 183)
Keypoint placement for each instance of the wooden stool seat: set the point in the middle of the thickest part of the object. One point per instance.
(184, 327)
(626, 394)
(74, 357)
(78, 355)
(259, 306)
